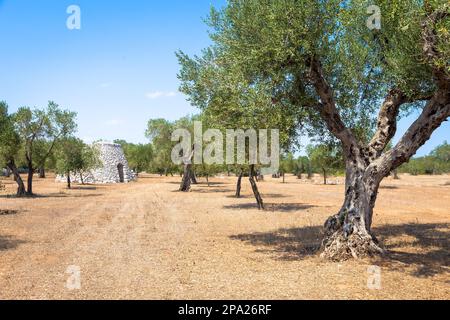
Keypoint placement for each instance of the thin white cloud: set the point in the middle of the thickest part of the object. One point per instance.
(105, 85)
(160, 94)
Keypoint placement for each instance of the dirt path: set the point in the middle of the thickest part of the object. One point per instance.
(145, 241)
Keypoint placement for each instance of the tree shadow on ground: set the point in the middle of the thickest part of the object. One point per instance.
(66, 195)
(149, 177)
(8, 243)
(8, 212)
(52, 195)
(265, 195)
(212, 190)
(430, 254)
(389, 187)
(211, 184)
(200, 183)
(85, 187)
(286, 244)
(428, 251)
(272, 207)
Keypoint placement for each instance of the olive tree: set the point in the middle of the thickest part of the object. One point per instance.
(9, 146)
(325, 157)
(159, 132)
(324, 57)
(229, 101)
(442, 153)
(40, 131)
(74, 157)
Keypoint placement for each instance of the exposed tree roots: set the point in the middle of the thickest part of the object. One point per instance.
(339, 244)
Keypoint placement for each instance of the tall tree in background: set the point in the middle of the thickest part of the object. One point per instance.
(302, 165)
(139, 156)
(189, 168)
(437, 162)
(159, 132)
(70, 159)
(9, 146)
(321, 57)
(287, 165)
(442, 153)
(40, 131)
(325, 158)
(74, 157)
(229, 101)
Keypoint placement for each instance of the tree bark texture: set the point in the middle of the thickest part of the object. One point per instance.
(30, 179)
(188, 172)
(186, 180)
(20, 185)
(42, 173)
(239, 185)
(69, 182)
(348, 233)
(256, 193)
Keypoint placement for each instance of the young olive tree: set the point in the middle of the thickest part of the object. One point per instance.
(9, 147)
(228, 101)
(189, 168)
(322, 57)
(40, 131)
(287, 165)
(325, 158)
(74, 157)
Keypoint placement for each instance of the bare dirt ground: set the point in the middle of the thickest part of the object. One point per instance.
(144, 240)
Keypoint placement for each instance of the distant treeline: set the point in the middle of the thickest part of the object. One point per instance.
(437, 162)
(325, 159)
(321, 159)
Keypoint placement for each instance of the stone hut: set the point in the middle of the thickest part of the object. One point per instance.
(114, 167)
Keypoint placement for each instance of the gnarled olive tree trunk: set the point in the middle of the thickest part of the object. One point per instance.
(310, 173)
(187, 178)
(348, 233)
(188, 173)
(256, 193)
(69, 181)
(42, 173)
(193, 177)
(239, 184)
(395, 175)
(20, 185)
(30, 179)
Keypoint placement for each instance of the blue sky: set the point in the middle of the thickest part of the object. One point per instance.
(118, 71)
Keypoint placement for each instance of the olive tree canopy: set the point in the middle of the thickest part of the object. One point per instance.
(320, 62)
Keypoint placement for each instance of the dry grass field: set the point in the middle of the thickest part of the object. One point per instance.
(144, 240)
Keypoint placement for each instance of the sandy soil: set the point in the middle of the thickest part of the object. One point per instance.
(144, 240)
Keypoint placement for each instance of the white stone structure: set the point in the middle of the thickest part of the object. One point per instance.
(114, 167)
